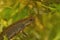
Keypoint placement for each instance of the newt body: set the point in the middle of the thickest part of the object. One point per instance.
(16, 28)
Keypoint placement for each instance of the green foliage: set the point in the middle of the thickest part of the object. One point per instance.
(46, 13)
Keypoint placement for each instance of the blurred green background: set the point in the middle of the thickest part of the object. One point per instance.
(46, 13)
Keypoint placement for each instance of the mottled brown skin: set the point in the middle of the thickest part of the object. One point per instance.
(15, 28)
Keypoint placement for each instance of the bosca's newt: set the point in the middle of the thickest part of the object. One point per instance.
(16, 27)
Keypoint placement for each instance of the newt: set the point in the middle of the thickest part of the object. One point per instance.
(15, 28)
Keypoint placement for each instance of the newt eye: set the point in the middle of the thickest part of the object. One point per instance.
(31, 19)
